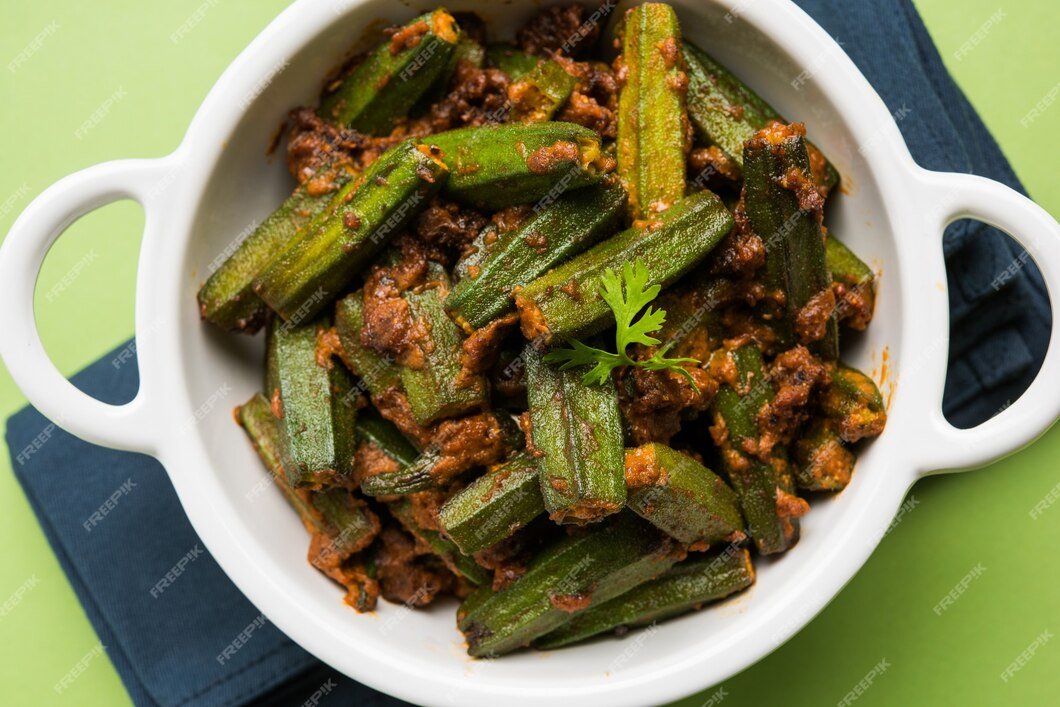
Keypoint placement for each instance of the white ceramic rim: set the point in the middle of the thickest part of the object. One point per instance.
(916, 201)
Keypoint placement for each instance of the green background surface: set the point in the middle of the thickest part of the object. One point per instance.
(123, 47)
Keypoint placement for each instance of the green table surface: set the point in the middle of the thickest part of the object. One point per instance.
(881, 631)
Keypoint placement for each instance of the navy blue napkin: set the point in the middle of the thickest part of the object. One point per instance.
(164, 610)
(174, 626)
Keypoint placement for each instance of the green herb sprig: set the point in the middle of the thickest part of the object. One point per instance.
(626, 305)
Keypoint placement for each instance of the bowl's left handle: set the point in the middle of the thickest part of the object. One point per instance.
(131, 426)
(950, 197)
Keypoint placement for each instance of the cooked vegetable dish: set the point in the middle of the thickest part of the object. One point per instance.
(552, 327)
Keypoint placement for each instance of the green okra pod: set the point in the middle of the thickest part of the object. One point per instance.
(412, 473)
(374, 429)
(680, 496)
(512, 61)
(566, 578)
(394, 76)
(351, 525)
(768, 506)
(263, 429)
(495, 505)
(494, 166)
(565, 303)
(411, 478)
(431, 468)
(845, 266)
(652, 122)
(854, 402)
(334, 513)
(468, 50)
(378, 373)
(227, 297)
(726, 112)
(784, 210)
(577, 429)
(537, 95)
(320, 262)
(856, 282)
(549, 236)
(444, 548)
(316, 405)
(822, 461)
(684, 587)
(485, 243)
(435, 382)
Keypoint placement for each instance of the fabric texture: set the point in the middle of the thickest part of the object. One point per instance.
(165, 612)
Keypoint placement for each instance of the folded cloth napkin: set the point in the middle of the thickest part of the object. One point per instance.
(165, 612)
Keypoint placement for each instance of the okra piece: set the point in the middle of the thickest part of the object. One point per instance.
(374, 429)
(334, 513)
(683, 588)
(512, 61)
(767, 505)
(315, 404)
(552, 234)
(421, 473)
(577, 428)
(652, 122)
(822, 461)
(319, 263)
(227, 298)
(263, 429)
(412, 478)
(680, 496)
(495, 505)
(393, 77)
(445, 549)
(857, 281)
(351, 525)
(436, 384)
(566, 303)
(378, 373)
(485, 243)
(468, 50)
(494, 166)
(537, 95)
(726, 112)
(854, 402)
(569, 577)
(784, 210)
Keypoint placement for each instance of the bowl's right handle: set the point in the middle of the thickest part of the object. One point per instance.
(952, 196)
(132, 426)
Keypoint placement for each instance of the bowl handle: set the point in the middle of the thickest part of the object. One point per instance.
(949, 197)
(131, 426)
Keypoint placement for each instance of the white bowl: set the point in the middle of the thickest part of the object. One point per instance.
(220, 181)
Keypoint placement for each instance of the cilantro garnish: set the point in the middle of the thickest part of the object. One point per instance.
(626, 305)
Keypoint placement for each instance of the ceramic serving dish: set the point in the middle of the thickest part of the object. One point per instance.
(220, 182)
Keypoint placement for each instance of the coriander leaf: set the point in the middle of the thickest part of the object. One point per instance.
(582, 355)
(626, 295)
(638, 332)
(579, 355)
